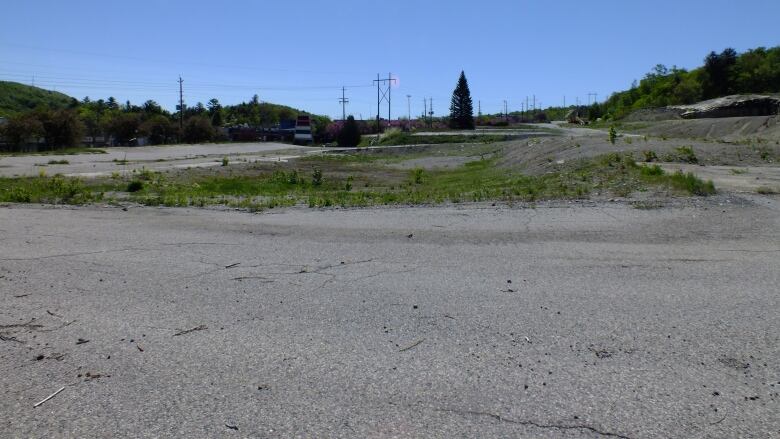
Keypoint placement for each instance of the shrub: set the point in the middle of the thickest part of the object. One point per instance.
(198, 129)
(135, 186)
(612, 135)
(225, 161)
(349, 135)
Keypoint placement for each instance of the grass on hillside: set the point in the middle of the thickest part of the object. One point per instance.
(17, 98)
(357, 183)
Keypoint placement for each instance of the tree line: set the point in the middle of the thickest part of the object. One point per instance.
(124, 123)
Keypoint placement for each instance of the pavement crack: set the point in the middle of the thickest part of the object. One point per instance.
(68, 255)
(540, 425)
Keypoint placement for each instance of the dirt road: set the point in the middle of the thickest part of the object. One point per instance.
(563, 320)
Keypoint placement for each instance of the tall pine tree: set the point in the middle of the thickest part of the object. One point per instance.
(461, 107)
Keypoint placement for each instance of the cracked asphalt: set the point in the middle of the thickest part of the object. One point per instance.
(560, 320)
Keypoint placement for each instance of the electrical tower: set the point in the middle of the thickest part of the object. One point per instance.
(383, 94)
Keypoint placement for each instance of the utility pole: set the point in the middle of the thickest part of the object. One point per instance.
(181, 108)
(564, 102)
(430, 112)
(506, 115)
(479, 108)
(343, 102)
(534, 107)
(409, 109)
(389, 87)
(425, 109)
(378, 128)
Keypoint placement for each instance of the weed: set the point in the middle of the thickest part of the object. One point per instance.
(739, 171)
(225, 161)
(685, 154)
(651, 170)
(417, 175)
(628, 140)
(348, 184)
(691, 184)
(650, 156)
(612, 134)
(59, 162)
(316, 177)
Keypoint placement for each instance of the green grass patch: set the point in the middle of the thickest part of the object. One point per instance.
(51, 190)
(330, 182)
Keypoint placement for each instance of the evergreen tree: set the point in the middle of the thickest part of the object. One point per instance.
(461, 107)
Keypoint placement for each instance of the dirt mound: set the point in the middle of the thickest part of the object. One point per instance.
(653, 115)
(550, 154)
(727, 129)
(731, 106)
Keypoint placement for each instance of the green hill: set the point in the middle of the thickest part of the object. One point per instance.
(727, 73)
(16, 98)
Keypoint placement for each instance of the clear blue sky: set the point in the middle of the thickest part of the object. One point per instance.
(300, 52)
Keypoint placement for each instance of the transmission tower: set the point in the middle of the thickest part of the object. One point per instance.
(383, 94)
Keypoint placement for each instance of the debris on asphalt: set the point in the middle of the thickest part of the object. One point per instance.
(82, 341)
(413, 345)
(187, 331)
(49, 397)
(232, 427)
(232, 265)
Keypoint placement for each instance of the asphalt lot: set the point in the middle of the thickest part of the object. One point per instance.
(566, 320)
